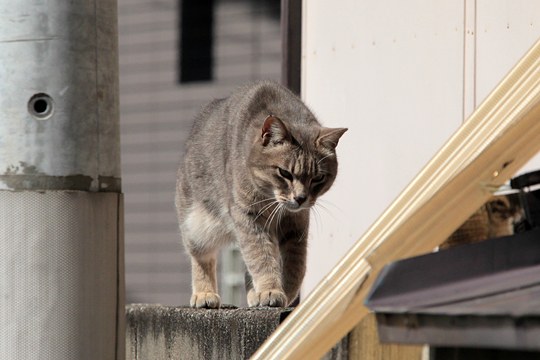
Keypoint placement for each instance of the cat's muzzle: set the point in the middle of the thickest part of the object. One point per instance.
(297, 204)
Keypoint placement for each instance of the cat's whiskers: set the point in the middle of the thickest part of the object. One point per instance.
(326, 202)
(265, 208)
(328, 211)
(316, 217)
(261, 201)
(272, 215)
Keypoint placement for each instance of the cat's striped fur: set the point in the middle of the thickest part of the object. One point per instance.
(255, 164)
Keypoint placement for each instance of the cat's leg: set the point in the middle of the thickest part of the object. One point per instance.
(204, 283)
(293, 248)
(263, 261)
(203, 235)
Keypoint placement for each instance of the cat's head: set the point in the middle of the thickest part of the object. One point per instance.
(294, 166)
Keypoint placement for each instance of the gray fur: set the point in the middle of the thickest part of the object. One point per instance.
(230, 188)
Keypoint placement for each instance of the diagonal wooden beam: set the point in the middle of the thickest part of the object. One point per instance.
(495, 142)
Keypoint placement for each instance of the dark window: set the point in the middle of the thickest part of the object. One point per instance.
(196, 40)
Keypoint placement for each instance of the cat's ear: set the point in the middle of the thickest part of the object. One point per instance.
(274, 131)
(329, 137)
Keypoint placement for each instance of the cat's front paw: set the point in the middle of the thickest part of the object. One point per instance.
(274, 298)
(207, 300)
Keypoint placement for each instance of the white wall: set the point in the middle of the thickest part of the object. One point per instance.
(402, 76)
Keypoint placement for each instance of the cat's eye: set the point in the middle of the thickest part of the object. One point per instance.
(284, 173)
(318, 179)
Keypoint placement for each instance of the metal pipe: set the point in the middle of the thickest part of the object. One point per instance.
(61, 228)
(59, 95)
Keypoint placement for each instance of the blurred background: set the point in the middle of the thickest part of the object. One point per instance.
(175, 56)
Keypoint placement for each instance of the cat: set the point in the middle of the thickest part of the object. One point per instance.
(254, 165)
(496, 218)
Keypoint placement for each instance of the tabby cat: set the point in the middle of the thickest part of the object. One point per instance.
(255, 164)
(496, 218)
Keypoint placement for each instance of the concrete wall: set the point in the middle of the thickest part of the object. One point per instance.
(160, 332)
(402, 76)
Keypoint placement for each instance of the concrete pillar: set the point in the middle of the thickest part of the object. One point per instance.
(61, 230)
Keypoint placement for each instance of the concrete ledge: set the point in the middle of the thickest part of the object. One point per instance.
(165, 333)
(161, 332)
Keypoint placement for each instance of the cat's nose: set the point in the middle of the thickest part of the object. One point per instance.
(300, 199)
